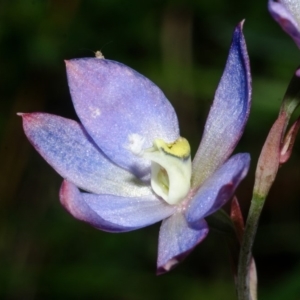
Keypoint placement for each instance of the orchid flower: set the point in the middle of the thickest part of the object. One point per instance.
(287, 14)
(125, 166)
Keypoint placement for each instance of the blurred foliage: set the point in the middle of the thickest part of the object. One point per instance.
(181, 46)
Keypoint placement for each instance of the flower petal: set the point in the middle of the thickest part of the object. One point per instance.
(65, 145)
(218, 189)
(228, 114)
(72, 200)
(287, 14)
(122, 110)
(121, 213)
(177, 240)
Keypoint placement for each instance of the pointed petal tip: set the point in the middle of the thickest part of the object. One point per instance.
(174, 261)
(69, 63)
(171, 264)
(31, 120)
(240, 43)
(28, 117)
(25, 115)
(177, 240)
(239, 28)
(229, 112)
(75, 64)
(240, 25)
(238, 35)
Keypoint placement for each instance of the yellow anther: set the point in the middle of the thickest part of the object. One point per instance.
(180, 148)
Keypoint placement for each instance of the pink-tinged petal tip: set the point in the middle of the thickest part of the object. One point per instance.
(177, 240)
(66, 146)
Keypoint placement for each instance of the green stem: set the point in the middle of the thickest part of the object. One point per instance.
(243, 284)
(268, 163)
(266, 171)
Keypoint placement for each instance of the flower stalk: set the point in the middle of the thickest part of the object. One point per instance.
(276, 151)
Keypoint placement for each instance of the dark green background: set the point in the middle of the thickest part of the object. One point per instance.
(182, 46)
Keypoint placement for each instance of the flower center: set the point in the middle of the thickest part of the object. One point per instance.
(170, 169)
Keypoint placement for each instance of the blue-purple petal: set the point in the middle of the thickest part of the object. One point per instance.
(287, 14)
(218, 189)
(228, 114)
(177, 240)
(119, 108)
(73, 201)
(112, 213)
(66, 146)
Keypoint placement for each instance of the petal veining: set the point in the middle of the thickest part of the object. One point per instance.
(177, 240)
(119, 107)
(228, 114)
(122, 213)
(218, 188)
(65, 145)
(129, 212)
